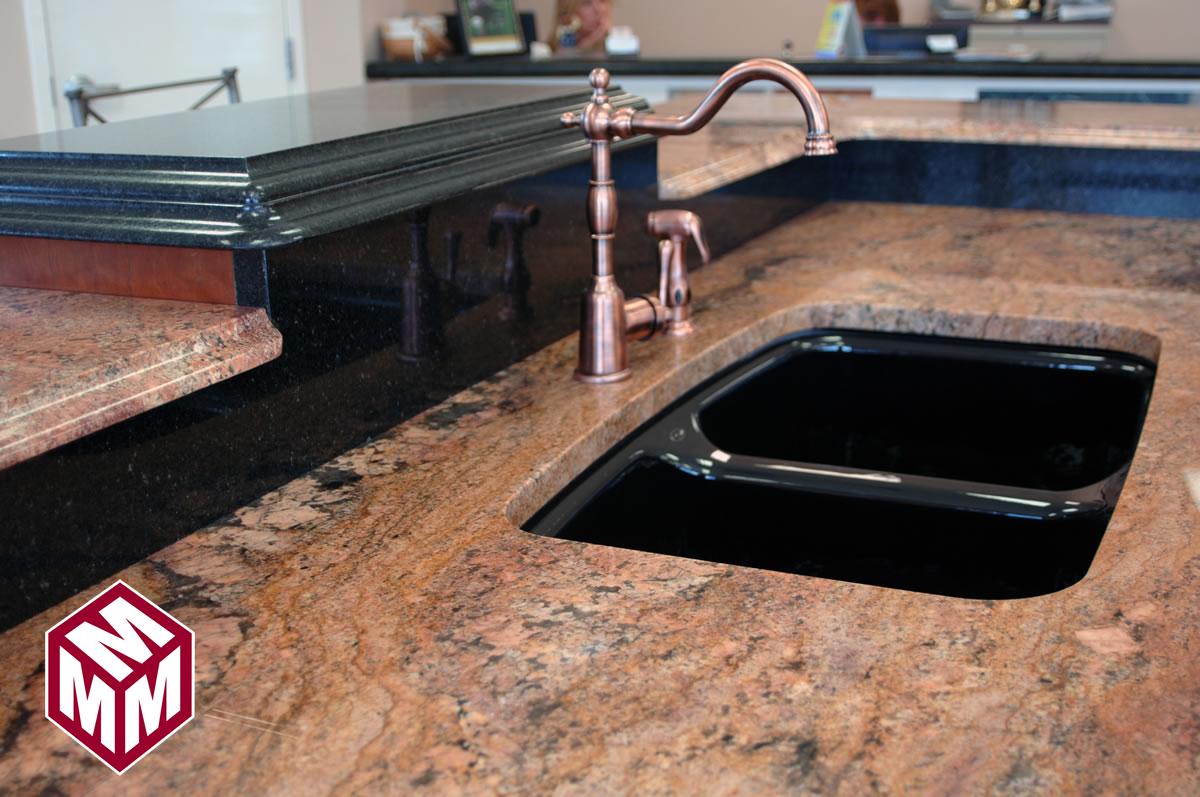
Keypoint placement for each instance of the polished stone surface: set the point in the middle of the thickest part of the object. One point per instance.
(382, 624)
(267, 127)
(74, 363)
(759, 130)
(268, 173)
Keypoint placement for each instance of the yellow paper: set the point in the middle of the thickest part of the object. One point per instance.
(829, 41)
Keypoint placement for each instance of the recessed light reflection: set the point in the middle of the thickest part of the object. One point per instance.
(1092, 357)
(889, 478)
(1008, 499)
(1192, 478)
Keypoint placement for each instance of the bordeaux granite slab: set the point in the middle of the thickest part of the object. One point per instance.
(73, 363)
(381, 624)
(759, 130)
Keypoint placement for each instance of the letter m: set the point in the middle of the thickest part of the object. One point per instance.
(99, 704)
(98, 644)
(143, 706)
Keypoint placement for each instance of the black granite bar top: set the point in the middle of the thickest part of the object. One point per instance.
(870, 66)
(267, 173)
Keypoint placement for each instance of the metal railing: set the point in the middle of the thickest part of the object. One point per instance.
(81, 93)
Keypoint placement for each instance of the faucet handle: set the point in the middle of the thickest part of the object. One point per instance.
(672, 228)
(677, 225)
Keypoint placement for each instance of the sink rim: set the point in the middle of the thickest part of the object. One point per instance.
(694, 453)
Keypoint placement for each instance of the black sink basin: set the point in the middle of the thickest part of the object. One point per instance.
(1001, 414)
(957, 467)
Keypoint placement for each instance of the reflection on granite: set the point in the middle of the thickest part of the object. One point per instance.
(758, 130)
(73, 363)
(381, 624)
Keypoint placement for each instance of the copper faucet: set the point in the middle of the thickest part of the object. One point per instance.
(606, 317)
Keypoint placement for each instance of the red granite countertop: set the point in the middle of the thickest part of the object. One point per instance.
(382, 624)
(73, 363)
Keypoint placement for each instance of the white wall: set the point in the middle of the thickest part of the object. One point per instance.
(17, 114)
(332, 45)
(1155, 30)
(134, 42)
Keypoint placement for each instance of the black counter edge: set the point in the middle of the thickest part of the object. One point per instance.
(883, 67)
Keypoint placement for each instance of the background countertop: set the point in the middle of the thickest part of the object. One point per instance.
(759, 130)
(872, 65)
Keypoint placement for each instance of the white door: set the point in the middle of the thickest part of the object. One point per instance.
(132, 43)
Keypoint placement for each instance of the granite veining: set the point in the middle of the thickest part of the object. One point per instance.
(73, 363)
(381, 624)
(758, 130)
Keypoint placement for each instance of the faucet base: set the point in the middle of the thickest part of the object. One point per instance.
(603, 356)
(601, 379)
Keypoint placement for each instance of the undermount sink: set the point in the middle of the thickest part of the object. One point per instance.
(951, 466)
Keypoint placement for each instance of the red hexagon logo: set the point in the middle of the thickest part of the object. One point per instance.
(120, 676)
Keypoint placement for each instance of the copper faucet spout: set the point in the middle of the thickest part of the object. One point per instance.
(820, 140)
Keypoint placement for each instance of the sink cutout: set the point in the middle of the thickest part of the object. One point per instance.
(1001, 414)
(949, 466)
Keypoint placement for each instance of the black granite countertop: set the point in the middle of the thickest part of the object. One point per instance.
(267, 173)
(267, 127)
(871, 65)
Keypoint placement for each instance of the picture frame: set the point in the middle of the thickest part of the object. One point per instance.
(490, 27)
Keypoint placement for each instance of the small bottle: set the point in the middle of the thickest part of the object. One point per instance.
(566, 36)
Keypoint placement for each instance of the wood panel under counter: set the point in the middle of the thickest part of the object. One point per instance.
(137, 270)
